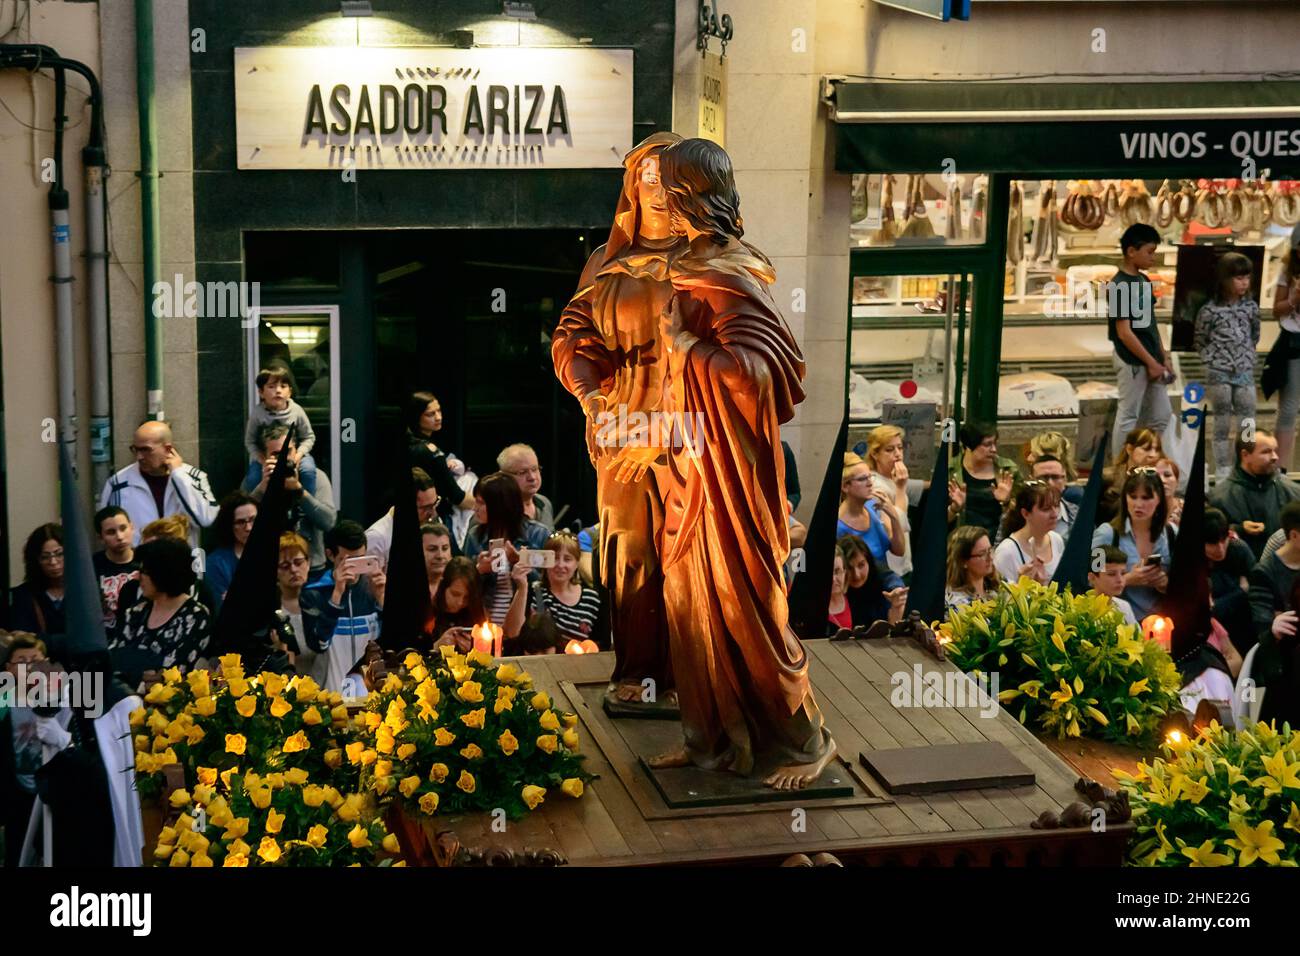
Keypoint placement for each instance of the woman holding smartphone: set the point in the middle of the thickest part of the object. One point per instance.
(574, 608)
(1141, 531)
(495, 542)
(458, 609)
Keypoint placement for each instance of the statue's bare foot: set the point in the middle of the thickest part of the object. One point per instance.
(673, 758)
(628, 693)
(799, 775)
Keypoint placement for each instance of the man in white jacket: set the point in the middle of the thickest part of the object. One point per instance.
(159, 484)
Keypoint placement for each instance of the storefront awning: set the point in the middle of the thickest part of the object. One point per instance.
(1147, 130)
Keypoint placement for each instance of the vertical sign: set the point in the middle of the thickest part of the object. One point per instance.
(713, 99)
(917, 420)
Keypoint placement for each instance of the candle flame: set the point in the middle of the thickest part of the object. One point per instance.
(574, 647)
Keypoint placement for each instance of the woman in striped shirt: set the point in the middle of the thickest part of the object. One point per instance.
(495, 542)
(573, 608)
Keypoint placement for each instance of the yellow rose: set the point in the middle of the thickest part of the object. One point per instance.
(333, 797)
(368, 757)
(533, 796)
(412, 660)
(311, 717)
(548, 743)
(481, 658)
(205, 706)
(471, 751)
(180, 798)
(236, 828)
(251, 780)
(466, 781)
(409, 785)
(443, 737)
(225, 776)
(200, 860)
(157, 721)
(549, 721)
(231, 666)
(438, 772)
(570, 720)
(235, 859)
(391, 683)
(390, 844)
(427, 713)
(358, 837)
(279, 707)
(172, 675)
(313, 795)
(240, 847)
(159, 694)
(193, 842)
(572, 786)
(429, 802)
(269, 850)
(419, 673)
(354, 751)
(237, 686)
(203, 792)
(274, 821)
(296, 776)
(137, 717)
(507, 674)
(275, 780)
(507, 743)
(502, 704)
(305, 689)
(333, 758)
(194, 735)
(372, 719)
(471, 692)
(296, 743)
(273, 684)
(142, 749)
(200, 683)
(474, 718)
(384, 741)
(541, 701)
(570, 738)
(163, 850)
(246, 706)
(383, 768)
(339, 714)
(350, 811)
(447, 651)
(316, 835)
(261, 797)
(235, 744)
(405, 751)
(167, 835)
(179, 858)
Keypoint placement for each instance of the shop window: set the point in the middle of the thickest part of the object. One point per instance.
(941, 209)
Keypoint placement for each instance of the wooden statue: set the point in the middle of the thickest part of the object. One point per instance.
(607, 353)
(735, 375)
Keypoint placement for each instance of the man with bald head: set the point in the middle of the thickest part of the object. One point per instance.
(158, 484)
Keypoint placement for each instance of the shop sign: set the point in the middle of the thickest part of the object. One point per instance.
(713, 99)
(432, 107)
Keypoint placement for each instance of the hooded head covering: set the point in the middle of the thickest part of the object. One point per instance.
(627, 215)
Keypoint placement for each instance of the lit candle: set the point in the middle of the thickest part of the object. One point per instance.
(496, 639)
(1158, 629)
(574, 647)
(483, 641)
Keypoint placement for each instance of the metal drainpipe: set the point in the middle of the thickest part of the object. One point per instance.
(62, 279)
(101, 405)
(149, 210)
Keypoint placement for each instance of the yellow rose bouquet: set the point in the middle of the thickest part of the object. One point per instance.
(1066, 663)
(226, 721)
(1231, 797)
(462, 733)
(276, 819)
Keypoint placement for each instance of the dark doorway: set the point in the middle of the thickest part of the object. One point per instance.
(465, 314)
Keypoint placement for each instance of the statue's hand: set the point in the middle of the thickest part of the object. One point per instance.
(632, 461)
(670, 322)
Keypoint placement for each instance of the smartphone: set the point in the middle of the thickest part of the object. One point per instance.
(1153, 560)
(532, 558)
(497, 544)
(363, 564)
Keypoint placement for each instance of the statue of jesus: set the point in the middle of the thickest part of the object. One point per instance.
(735, 374)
